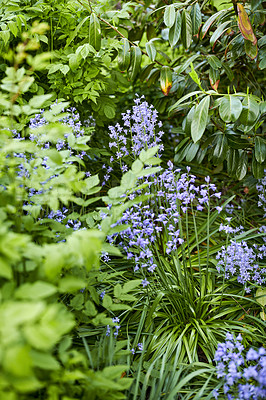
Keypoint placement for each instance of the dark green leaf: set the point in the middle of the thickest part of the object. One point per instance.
(260, 149)
(135, 61)
(186, 35)
(232, 161)
(250, 111)
(196, 19)
(220, 149)
(230, 108)
(124, 55)
(242, 166)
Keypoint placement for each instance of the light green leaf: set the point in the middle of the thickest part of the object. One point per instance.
(200, 119)
(135, 61)
(151, 50)
(36, 290)
(95, 32)
(124, 55)
(175, 30)
(169, 15)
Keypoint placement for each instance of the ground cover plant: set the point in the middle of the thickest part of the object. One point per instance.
(132, 200)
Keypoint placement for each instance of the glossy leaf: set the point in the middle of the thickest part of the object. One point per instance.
(123, 58)
(191, 151)
(232, 161)
(214, 77)
(145, 72)
(257, 168)
(135, 61)
(251, 49)
(230, 108)
(151, 50)
(250, 111)
(95, 32)
(220, 149)
(245, 25)
(209, 22)
(200, 119)
(196, 19)
(242, 166)
(214, 62)
(175, 30)
(169, 15)
(219, 31)
(260, 149)
(186, 35)
(166, 80)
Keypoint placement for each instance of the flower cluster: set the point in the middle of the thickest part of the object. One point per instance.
(261, 188)
(244, 375)
(154, 224)
(116, 320)
(139, 131)
(241, 260)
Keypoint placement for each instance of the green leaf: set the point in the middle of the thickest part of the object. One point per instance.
(260, 149)
(214, 62)
(250, 111)
(135, 61)
(193, 75)
(191, 151)
(196, 19)
(200, 119)
(214, 77)
(251, 49)
(175, 30)
(145, 72)
(242, 166)
(37, 290)
(218, 32)
(209, 22)
(245, 25)
(166, 80)
(232, 161)
(44, 360)
(131, 285)
(169, 16)
(124, 55)
(230, 108)
(257, 168)
(71, 284)
(220, 149)
(38, 101)
(151, 50)
(90, 309)
(95, 32)
(186, 36)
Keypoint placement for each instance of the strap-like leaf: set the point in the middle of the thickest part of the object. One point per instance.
(135, 61)
(219, 31)
(260, 149)
(95, 32)
(169, 15)
(186, 29)
(200, 119)
(214, 77)
(196, 19)
(175, 30)
(242, 166)
(210, 21)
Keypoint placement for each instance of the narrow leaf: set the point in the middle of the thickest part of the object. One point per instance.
(251, 49)
(209, 22)
(218, 32)
(214, 77)
(186, 36)
(200, 119)
(214, 62)
(169, 16)
(260, 149)
(95, 32)
(195, 18)
(166, 80)
(245, 25)
(175, 30)
(242, 167)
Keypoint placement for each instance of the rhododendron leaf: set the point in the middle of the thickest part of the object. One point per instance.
(230, 108)
(135, 61)
(166, 80)
(151, 50)
(260, 149)
(251, 49)
(196, 19)
(214, 77)
(245, 25)
(242, 166)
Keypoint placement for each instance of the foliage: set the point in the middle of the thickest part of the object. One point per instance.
(132, 256)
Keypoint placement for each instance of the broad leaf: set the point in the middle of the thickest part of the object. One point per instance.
(196, 19)
(151, 50)
(230, 108)
(250, 111)
(260, 149)
(200, 119)
(242, 166)
(169, 15)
